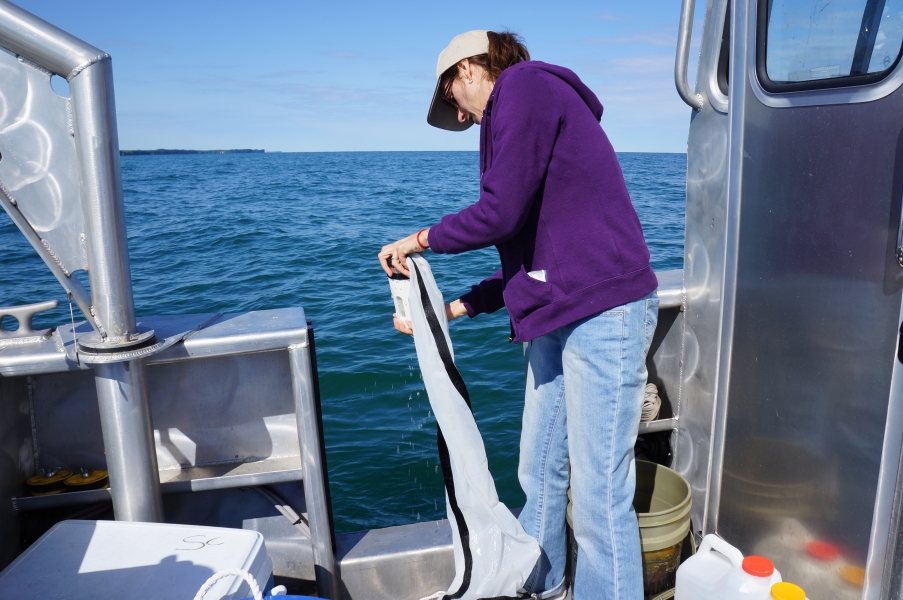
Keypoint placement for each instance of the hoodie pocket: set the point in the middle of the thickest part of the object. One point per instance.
(525, 294)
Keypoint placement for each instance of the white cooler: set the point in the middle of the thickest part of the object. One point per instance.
(114, 560)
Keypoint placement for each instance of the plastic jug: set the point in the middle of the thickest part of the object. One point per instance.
(700, 575)
(718, 571)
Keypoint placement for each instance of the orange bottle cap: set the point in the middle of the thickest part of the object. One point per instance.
(822, 551)
(787, 591)
(853, 575)
(758, 566)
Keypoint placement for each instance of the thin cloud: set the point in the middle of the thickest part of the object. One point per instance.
(418, 75)
(306, 97)
(661, 38)
(290, 73)
(641, 65)
(342, 54)
(123, 44)
(350, 55)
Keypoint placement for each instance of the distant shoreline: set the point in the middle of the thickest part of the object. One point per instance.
(163, 151)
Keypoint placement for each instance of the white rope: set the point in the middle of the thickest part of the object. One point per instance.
(651, 403)
(435, 596)
(255, 589)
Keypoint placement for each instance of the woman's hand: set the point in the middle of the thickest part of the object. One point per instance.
(396, 254)
(453, 310)
(403, 326)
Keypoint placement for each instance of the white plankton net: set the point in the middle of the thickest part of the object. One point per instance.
(493, 554)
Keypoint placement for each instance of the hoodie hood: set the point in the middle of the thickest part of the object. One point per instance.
(565, 75)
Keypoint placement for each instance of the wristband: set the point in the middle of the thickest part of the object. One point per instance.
(419, 243)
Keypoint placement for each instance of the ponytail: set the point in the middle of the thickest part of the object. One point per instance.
(505, 49)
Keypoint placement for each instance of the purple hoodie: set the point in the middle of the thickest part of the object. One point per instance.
(552, 200)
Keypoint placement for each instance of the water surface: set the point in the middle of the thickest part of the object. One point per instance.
(232, 233)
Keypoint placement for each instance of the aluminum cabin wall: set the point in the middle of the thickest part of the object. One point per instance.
(806, 437)
(704, 249)
(814, 331)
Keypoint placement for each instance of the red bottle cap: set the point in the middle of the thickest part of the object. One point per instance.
(822, 551)
(758, 566)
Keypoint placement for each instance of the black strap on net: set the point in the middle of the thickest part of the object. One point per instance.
(444, 460)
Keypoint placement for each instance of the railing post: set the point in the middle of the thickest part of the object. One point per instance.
(129, 441)
(313, 464)
(121, 390)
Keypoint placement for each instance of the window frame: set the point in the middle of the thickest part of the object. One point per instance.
(815, 84)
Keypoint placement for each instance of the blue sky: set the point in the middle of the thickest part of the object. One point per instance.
(335, 76)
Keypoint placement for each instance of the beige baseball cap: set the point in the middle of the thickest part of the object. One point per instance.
(442, 114)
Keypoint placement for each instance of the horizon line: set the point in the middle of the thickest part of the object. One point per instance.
(180, 151)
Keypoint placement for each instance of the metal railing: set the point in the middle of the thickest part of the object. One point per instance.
(86, 232)
(42, 49)
(682, 58)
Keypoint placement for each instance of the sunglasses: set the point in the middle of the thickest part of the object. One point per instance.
(447, 93)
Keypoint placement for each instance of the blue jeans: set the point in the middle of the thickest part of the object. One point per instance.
(585, 387)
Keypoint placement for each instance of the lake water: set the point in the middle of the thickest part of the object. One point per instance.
(228, 233)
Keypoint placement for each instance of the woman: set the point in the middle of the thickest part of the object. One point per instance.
(578, 287)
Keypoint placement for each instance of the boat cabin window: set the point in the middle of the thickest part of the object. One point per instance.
(814, 44)
(724, 56)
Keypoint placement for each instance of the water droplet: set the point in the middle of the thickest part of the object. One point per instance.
(436, 469)
(418, 393)
(415, 480)
(397, 449)
(435, 504)
(418, 516)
